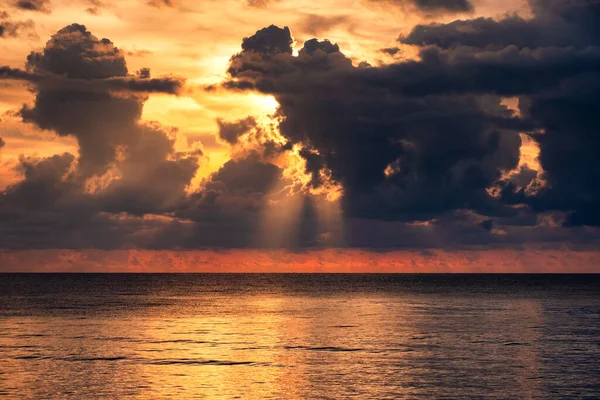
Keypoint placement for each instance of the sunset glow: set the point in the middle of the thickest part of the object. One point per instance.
(381, 126)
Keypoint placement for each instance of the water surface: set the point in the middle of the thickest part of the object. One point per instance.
(299, 336)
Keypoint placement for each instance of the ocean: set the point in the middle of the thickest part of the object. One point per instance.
(289, 336)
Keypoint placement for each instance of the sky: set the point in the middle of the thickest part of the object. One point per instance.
(271, 135)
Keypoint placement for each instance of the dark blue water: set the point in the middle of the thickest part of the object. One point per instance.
(300, 336)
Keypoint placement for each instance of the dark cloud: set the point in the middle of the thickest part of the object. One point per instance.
(450, 5)
(426, 151)
(433, 6)
(247, 177)
(462, 70)
(125, 169)
(143, 73)
(313, 46)
(437, 125)
(564, 34)
(391, 51)
(269, 40)
(2, 143)
(77, 54)
(563, 23)
(15, 73)
(11, 28)
(152, 176)
(45, 183)
(34, 5)
(570, 148)
(140, 83)
(231, 131)
(419, 117)
(79, 102)
(488, 224)
(446, 5)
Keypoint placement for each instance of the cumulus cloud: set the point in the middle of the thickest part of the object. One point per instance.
(73, 77)
(123, 165)
(426, 151)
(437, 125)
(358, 121)
(563, 33)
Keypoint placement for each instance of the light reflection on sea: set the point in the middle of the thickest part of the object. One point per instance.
(297, 337)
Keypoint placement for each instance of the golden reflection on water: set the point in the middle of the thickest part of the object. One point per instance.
(279, 345)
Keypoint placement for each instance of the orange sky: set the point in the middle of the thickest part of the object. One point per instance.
(531, 259)
(195, 40)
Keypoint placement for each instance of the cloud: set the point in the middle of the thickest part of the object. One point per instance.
(45, 182)
(124, 166)
(34, 5)
(259, 3)
(447, 5)
(448, 148)
(128, 186)
(128, 84)
(563, 34)
(14, 29)
(432, 6)
(560, 23)
(269, 40)
(247, 177)
(74, 76)
(95, 7)
(314, 24)
(391, 51)
(231, 131)
(75, 53)
(426, 151)
(437, 125)
(163, 3)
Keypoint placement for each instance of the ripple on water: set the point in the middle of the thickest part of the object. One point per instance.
(323, 348)
(187, 361)
(85, 359)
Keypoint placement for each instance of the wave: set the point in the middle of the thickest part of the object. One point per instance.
(324, 348)
(201, 362)
(117, 358)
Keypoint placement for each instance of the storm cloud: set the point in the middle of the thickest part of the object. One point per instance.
(425, 151)
(426, 121)
(80, 102)
(123, 165)
(443, 148)
(562, 107)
